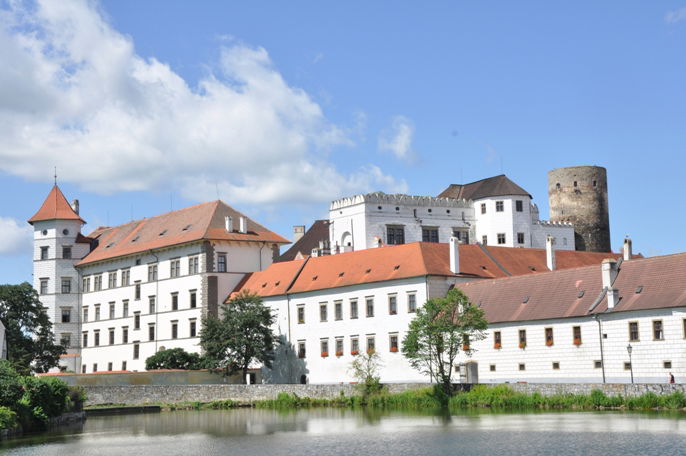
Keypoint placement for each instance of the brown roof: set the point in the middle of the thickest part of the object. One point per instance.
(573, 292)
(201, 222)
(55, 207)
(319, 231)
(405, 261)
(491, 186)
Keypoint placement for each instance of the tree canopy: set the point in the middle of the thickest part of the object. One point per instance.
(173, 358)
(241, 336)
(441, 328)
(31, 343)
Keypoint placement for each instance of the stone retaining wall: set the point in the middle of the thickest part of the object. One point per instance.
(610, 389)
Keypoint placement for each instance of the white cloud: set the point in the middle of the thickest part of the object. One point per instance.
(16, 237)
(676, 16)
(74, 94)
(398, 139)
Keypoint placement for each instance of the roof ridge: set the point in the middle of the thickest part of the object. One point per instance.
(497, 263)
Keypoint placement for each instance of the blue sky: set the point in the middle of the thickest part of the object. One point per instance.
(279, 107)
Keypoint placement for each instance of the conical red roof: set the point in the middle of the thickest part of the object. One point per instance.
(55, 207)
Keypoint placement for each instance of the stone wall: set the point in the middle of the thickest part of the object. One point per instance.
(610, 389)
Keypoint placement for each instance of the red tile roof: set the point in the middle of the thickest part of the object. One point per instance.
(201, 222)
(55, 207)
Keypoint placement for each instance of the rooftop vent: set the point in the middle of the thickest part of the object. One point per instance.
(185, 228)
(315, 277)
(277, 283)
(397, 266)
(135, 239)
(163, 232)
(368, 271)
(109, 245)
(340, 274)
(525, 300)
(581, 294)
(639, 289)
(264, 284)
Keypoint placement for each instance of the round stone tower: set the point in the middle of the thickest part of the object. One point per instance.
(579, 195)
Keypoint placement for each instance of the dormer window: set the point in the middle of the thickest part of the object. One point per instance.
(163, 232)
(185, 228)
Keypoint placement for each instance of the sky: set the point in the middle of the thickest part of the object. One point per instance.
(277, 108)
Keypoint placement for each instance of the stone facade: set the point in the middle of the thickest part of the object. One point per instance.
(610, 389)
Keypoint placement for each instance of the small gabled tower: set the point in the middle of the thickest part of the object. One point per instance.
(57, 246)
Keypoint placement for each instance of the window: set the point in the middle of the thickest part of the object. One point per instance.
(86, 284)
(501, 238)
(520, 238)
(193, 328)
(411, 303)
(519, 206)
(193, 299)
(371, 344)
(174, 329)
(111, 330)
(174, 301)
(429, 234)
(83, 369)
(96, 338)
(112, 308)
(84, 339)
(556, 365)
(301, 314)
(323, 314)
(65, 339)
(85, 314)
(66, 285)
(43, 286)
(95, 367)
(151, 331)
(658, 333)
(136, 320)
(338, 310)
(393, 342)
(324, 347)
(484, 239)
(353, 312)
(193, 263)
(125, 335)
(152, 272)
(627, 366)
(549, 337)
(97, 312)
(522, 338)
(483, 208)
(301, 349)
(97, 282)
(461, 235)
(492, 367)
(597, 364)
(522, 366)
(395, 235)
(137, 292)
(221, 262)
(392, 304)
(125, 308)
(151, 304)
(576, 334)
(136, 350)
(667, 364)
(112, 279)
(499, 206)
(370, 307)
(354, 345)
(684, 325)
(125, 277)
(123, 365)
(633, 331)
(174, 267)
(465, 342)
(66, 315)
(339, 346)
(44, 253)
(497, 340)
(66, 252)
(109, 366)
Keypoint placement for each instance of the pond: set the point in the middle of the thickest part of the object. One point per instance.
(324, 432)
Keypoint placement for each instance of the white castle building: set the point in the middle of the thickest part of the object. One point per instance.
(122, 293)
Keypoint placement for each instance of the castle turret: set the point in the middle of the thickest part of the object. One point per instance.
(579, 195)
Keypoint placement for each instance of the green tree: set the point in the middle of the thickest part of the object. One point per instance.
(365, 369)
(441, 328)
(241, 336)
(173, 358)
(31, 343)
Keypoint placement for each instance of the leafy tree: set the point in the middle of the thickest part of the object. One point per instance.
(365, 369)
(173, 358)
(31, 343)
(240, 337)
(441, 328)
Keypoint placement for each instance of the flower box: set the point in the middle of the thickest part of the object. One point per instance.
(394, 349)
(522, 345)
(549, 343)
(371, 351)
(355, 352)
(325, 354)
(497, 346)
(339, 353)
(577, 341)
(465, 347)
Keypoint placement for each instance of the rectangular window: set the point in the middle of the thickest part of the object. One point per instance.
(301, 349)
(96, 338)
(97, 282)
(633, 331)
(66, 253)
(499, 206)
(519, 206)
(151, 304)
(65, 340)
(44, 253)
(549, 337)
(125, 335)
(484, 239)
(152, 272)
(174, 330)
(411, 303)
(667, 364)
(522, 366)
(684, 325)
(501, 238)
(85, 314)
(95, 367)
(354, 345)
(627, 366)
(112, 279)
(301, 314)
(66, 315)
(86, 284)
(43, 286)
(392, 304)
(193, 299)
(371, 344)
(136, 320)
(576, 334)
(483, 208)
(221, 262)
(497, 340)
(123, 365)
(112, 309)
(193, 263)
(658, 333)
(353, 311)
(192, 327)
(137, 292)
(338, 310)
(174, 267)
(323, 314)
(370, 307)
(111, 335)
(136, 350)
(84, 339)
(339, 346)
(174, 301)
(597, 364)
(492, 367)
(324, 347)
(125, 277)
(151, 331)
(125, 308)
(393, 342)
(97, 312)
(520, 238)
(461, 235)
(395, 235)
(556, 365)
(66, 285)
(109, 366)
(522, 338)
(83, 368)
(429, 234)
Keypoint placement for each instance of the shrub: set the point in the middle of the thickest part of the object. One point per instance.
(8, 418)
(173, 358)
(50, 394)
(11, 389)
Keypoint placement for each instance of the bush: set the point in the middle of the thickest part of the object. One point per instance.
(174, 358)
(8, 418)
(49, 394)
(11, 389)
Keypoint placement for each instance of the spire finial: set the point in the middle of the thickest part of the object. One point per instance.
(55, 175)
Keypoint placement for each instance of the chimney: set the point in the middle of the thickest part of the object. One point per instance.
(75, 206)
(612, 297)
(609, 272)
(454, 255)
(243, 221)
(298, 232)
(315, 253)
(228, 223)
(550, 253)
(626, 250)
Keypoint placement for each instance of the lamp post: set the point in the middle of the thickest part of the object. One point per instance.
(629, 349)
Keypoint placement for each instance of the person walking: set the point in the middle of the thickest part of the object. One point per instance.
(671, 378)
